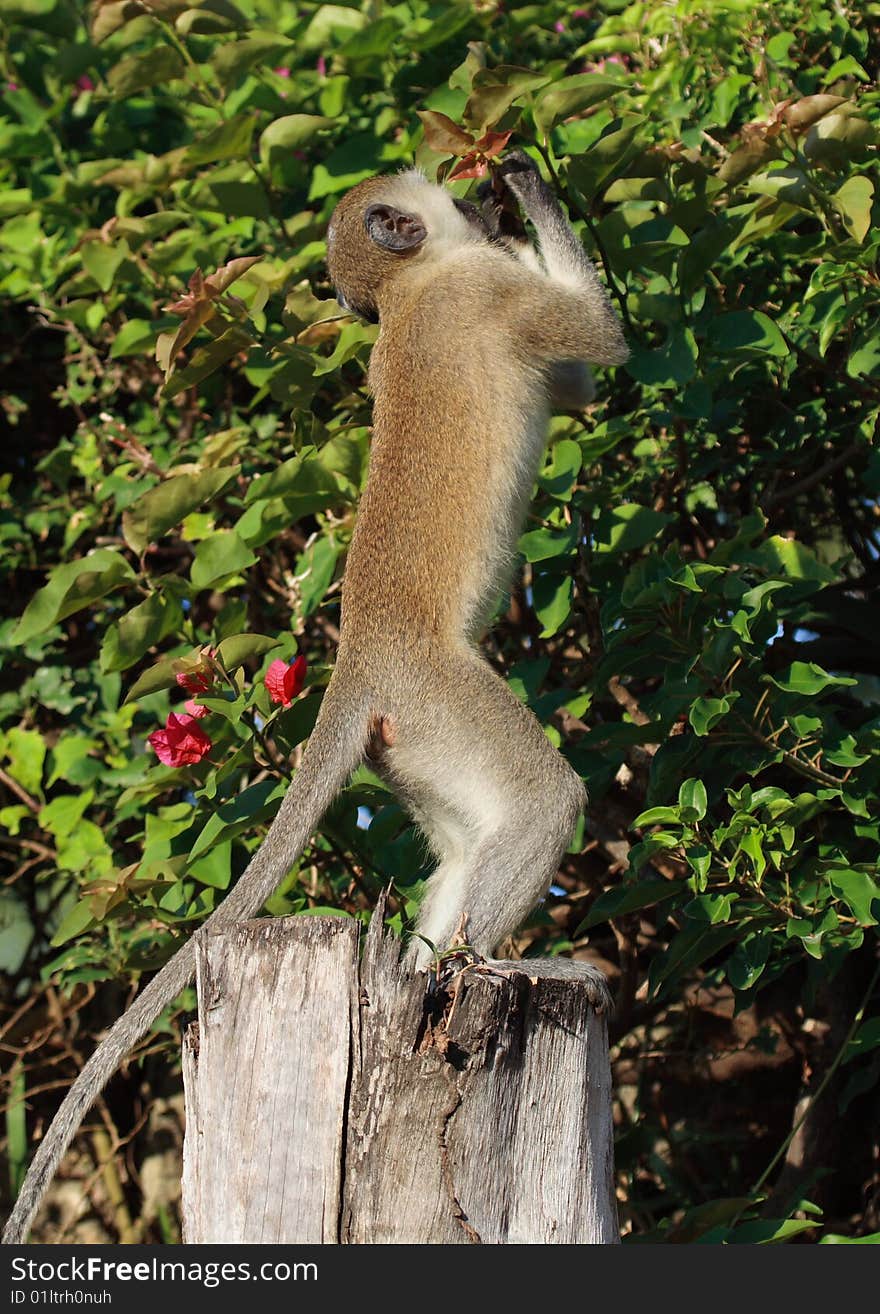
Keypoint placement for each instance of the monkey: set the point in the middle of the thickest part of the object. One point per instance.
(478, 334)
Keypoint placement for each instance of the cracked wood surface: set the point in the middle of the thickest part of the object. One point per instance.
(368, 1111)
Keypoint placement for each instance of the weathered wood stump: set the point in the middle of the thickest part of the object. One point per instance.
(329, 1100)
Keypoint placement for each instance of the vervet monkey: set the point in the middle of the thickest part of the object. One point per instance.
(477, 333)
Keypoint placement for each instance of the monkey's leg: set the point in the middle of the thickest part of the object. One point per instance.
(495, 799)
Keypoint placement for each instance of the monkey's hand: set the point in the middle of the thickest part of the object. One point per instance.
(521, 178)
(500, 211)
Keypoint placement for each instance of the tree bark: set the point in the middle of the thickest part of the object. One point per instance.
(332, 1101)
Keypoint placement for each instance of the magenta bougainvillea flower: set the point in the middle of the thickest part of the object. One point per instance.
(199, 673)
(285, 682)
(182, 742)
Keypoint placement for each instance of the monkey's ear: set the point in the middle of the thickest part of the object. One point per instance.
(392, 229)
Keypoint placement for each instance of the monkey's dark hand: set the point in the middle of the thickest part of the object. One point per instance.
(521, 178)
(500, 210)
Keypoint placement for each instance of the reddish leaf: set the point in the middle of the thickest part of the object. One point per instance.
(197, 307)
(443, 135)
(491, 144)
(472, 166)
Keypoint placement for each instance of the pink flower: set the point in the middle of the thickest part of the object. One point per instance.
(559, 26)
(285, 682)
(195, 709)
(321, 66)
(181, 743)
(580, 13)
(283, 72)
(85, 83)
(621, 60)
(198, 674)
(12, 86)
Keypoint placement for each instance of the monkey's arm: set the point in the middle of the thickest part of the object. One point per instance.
(577, 320)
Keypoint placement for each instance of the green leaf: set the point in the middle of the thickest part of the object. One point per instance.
(853, 201)
(102, 261)
(669, 366)
(158, 676)
(493, 92)
(288, 134)
(692, 799)
(17, 1146)
(710, 909)
(771, 1231)
(629, 898)
(748, 960)
(79, 919)
(859, 891)
(699, 859)
(137, 337)
(25, 751)
(16, 931)
(545, 544)
(707, 712)
(209, 16)
(315, 569)
(214, 868)
(353, 339)
(234, 59)
(751, 845)
(207, 359)
(560, 474)
(611, 154)
(304, 475)
(690, 948)
(235, 650)
(627, 527)
(807, 678)
(72, 586)
(833, 1238)
(73, 760)
(140, 629)
(138, 72)
(229, 141)
(569, 96)
(865, 1039)
(161, 508)
(372, 41)
(657, 816)
(552, 595)
(244, 812)
(745, 331)
(219, 555)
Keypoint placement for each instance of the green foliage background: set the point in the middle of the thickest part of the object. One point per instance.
(695, 619)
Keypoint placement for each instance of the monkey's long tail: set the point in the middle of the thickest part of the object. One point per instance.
(335, 748)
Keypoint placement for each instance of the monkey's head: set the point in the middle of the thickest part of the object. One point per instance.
(383, 224)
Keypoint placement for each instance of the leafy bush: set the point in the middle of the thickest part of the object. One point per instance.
(695, 619)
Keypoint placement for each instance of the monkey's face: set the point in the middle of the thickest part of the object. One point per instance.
(383, 224)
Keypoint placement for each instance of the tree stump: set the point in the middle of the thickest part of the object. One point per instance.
(329, 1100)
